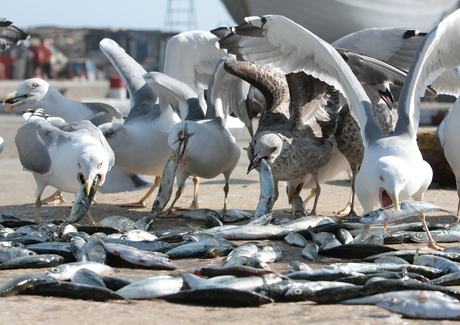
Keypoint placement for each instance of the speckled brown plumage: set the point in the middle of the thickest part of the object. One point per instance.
(289, 136)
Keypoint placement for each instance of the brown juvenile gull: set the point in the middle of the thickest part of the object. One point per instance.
(393, 168)
(288, 136)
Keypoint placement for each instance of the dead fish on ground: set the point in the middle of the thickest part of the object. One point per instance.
(153, 287)
(236, 215)
(406, 209)
(422, 309)
(140, 257)
(75, 291)
(66, 271)
(22, 283)
(88, 277)
(33, 261)
(119, 222)
(224, 297)
(405, 294)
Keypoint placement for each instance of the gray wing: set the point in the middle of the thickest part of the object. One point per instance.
(89, 128)
(226, 92)
(103, 113)
(32, 141)
(120, 180)
(142, 96)
(10, 34)
(182, 98)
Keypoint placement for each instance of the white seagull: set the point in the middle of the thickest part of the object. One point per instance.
(10, 34)
(63, 155)
(140, 143)
(393, 168)
(202, 146)
(36, 93)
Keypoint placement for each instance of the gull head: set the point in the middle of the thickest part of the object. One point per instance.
(266, 145)
(93, 165)
(392, 173)
(29, 92)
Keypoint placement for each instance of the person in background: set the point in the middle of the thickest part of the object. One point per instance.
(20, 62)
(37, 59)
(47, 56)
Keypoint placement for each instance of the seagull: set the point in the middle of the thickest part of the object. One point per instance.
(36, 93)
(63, 155)
(447, 135)
(140, 143)
(202, 146)
(393, 168)
(289, 136)
(10, 34)
(192, 57)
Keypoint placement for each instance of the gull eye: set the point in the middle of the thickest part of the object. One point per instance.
(108, 134)
(79, 166)
(381, 178)
(34, 85)
(100, 165)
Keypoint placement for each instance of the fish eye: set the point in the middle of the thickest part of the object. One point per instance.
(30, 253)
(298, 291)
(54, 270)
(180, 133)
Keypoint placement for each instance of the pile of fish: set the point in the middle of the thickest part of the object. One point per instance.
(80, 261)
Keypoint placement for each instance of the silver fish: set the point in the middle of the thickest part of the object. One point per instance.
(295, 239)
(244, 250)
(78, 249)
(138, 235)
(405, 294)
(261, 220)
(344, 236)
(445, 265)
(295, 266)
(119, 222)
(235, 215)
(81, 204)
(267, 189)
(310, 251)
(140, 257)
(440, 236)
(250, 232)
(88, 277)
(165, 190)
(406, 209)
(66, 271)
(8, 253)
(196, 282)
(95, 250)
(422, 309)
(151, 288)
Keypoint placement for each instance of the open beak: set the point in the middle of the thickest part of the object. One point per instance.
(386, 199)
(14, 99)
(387, 97)
(179, 155)
(253, 164)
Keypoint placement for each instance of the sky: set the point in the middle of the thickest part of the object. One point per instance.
(118, 14)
